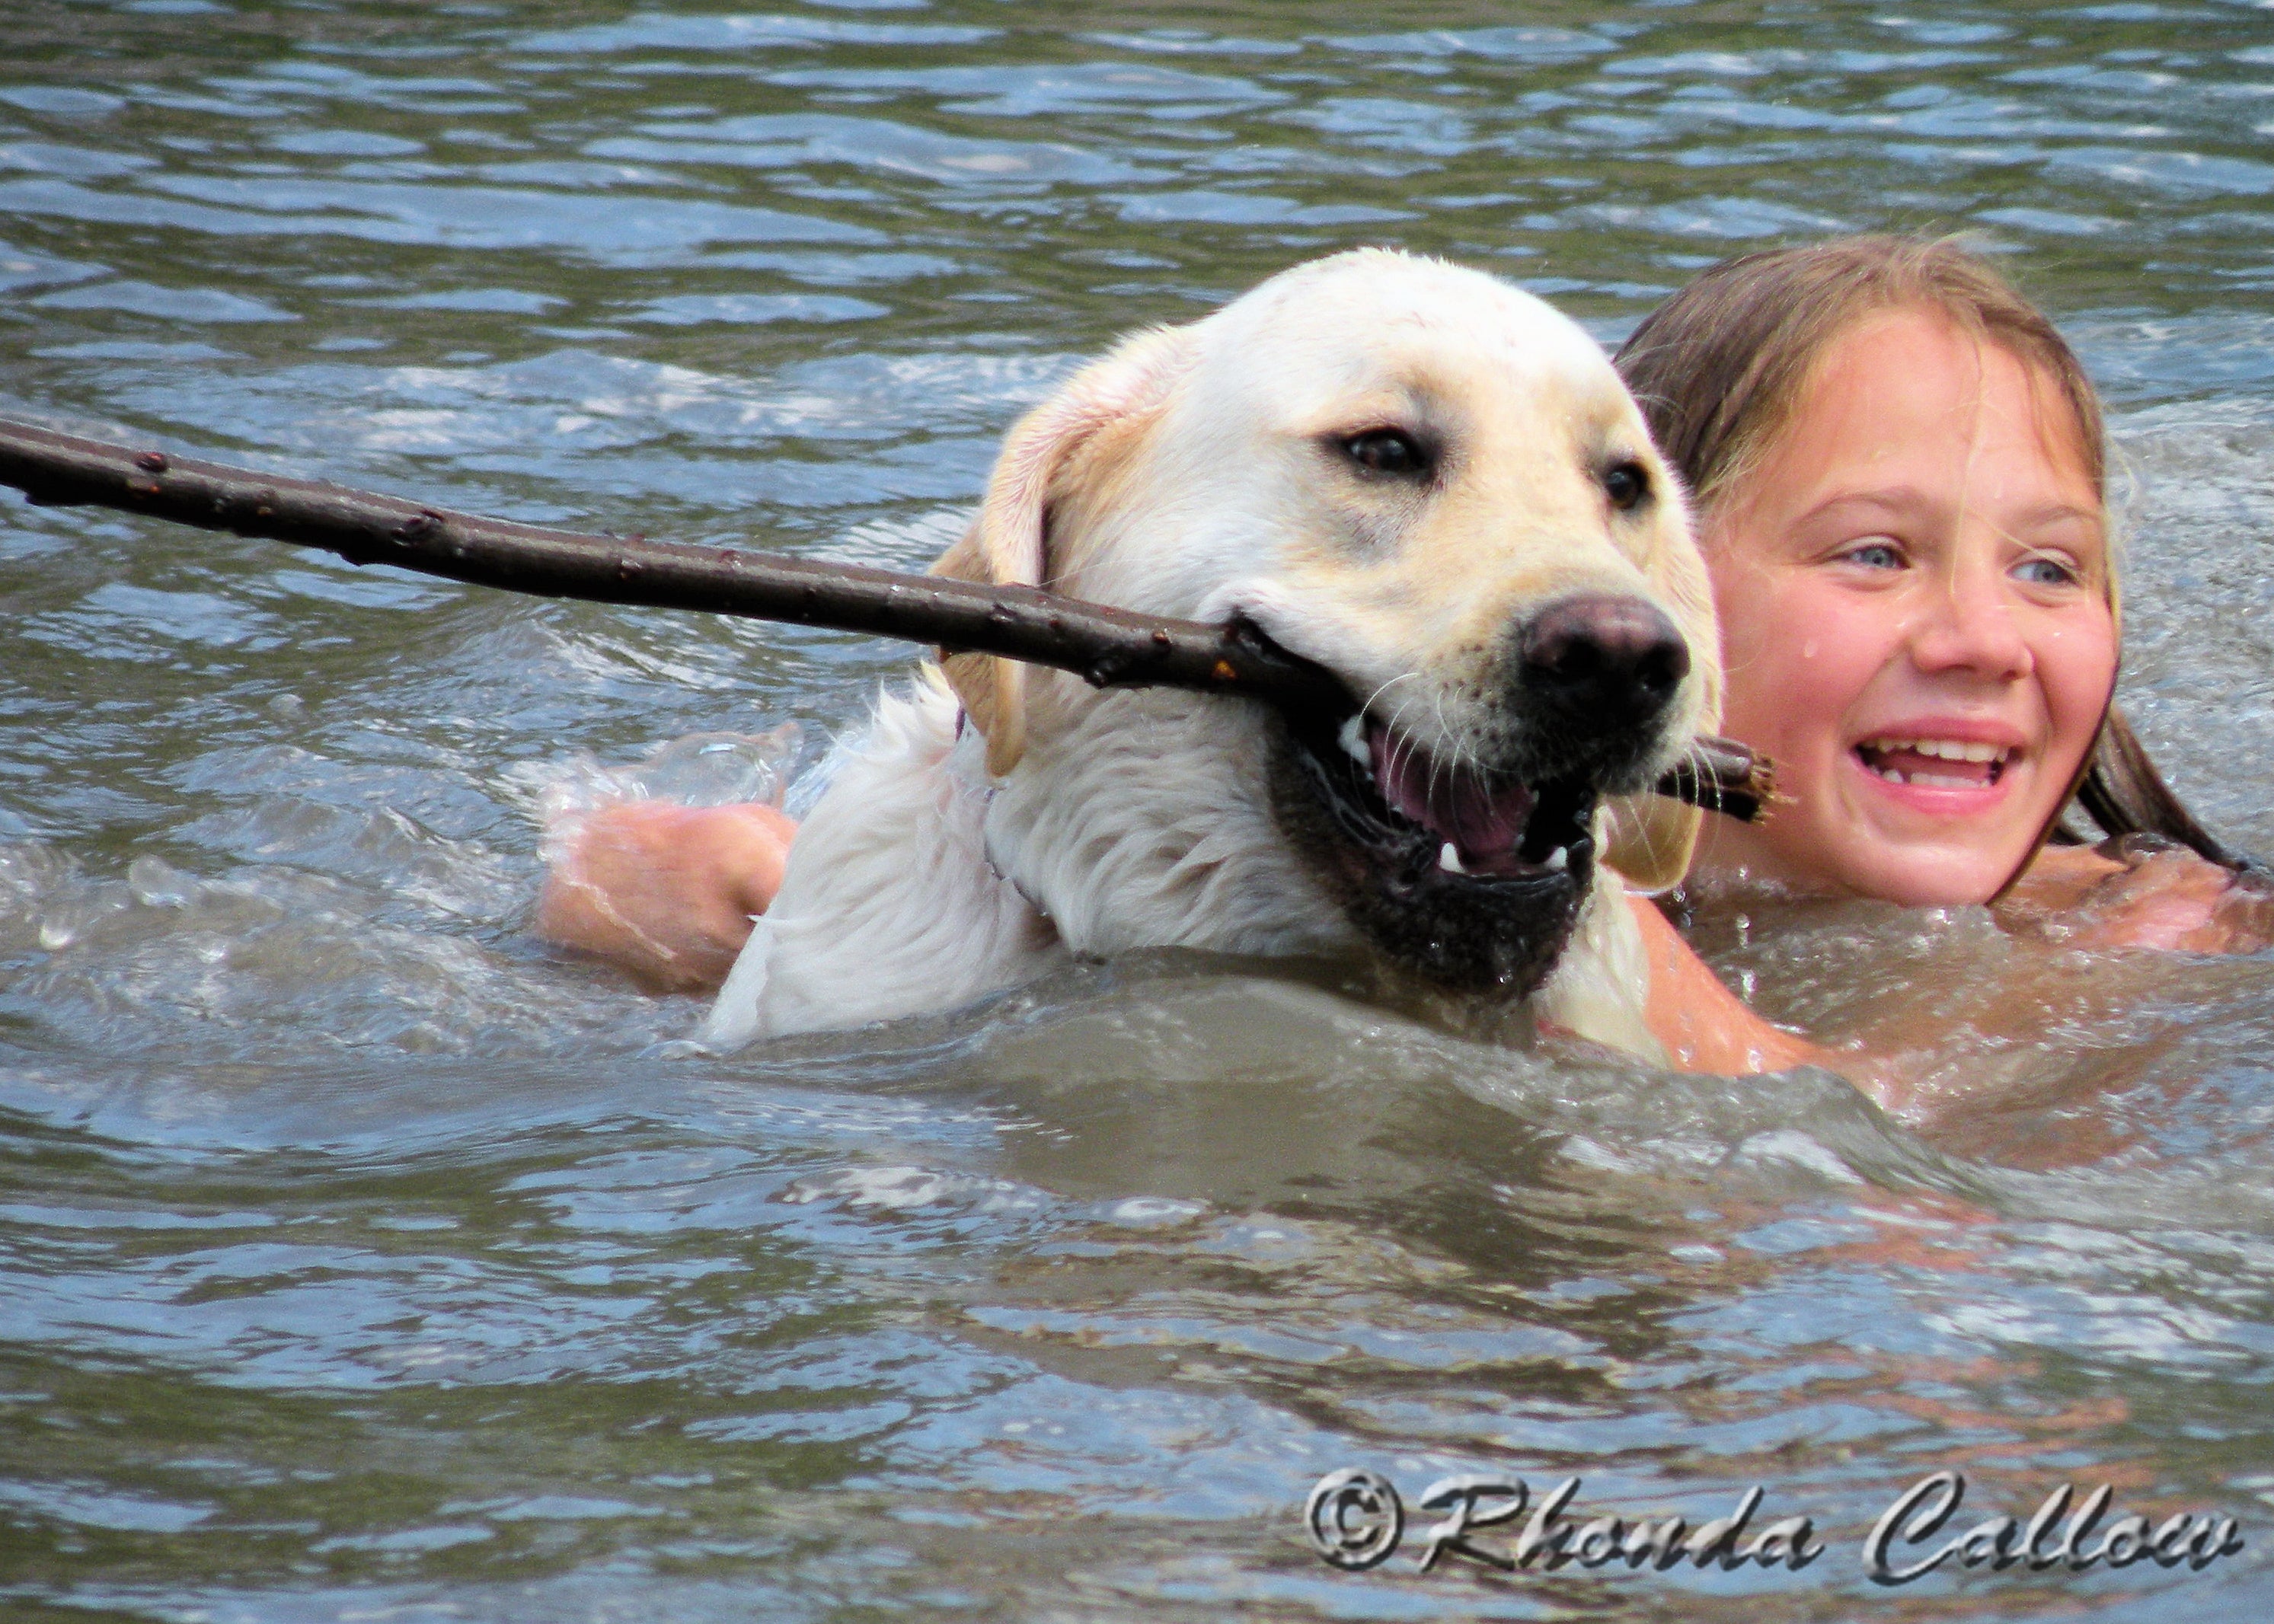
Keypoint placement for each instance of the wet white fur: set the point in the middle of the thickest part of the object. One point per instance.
(1183, 476)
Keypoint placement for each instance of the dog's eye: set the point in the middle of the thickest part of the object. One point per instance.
(1626, 484)
(1387, 451)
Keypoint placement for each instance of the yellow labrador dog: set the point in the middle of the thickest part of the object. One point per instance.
(1413, 474)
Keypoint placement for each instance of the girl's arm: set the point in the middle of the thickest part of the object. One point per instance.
(668, 891)
(2166, 899)
(1705, 1026)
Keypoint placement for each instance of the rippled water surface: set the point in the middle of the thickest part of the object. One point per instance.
(362, 1260)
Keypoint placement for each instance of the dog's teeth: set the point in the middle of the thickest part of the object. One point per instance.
(1558, 858)
(1449, 860)
(1353, 738)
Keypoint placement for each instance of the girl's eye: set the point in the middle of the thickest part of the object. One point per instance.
(1873, 555)
(2044, 572)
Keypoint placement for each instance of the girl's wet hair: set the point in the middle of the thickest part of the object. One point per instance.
(1719, 367)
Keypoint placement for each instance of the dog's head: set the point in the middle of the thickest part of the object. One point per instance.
(1433, 485)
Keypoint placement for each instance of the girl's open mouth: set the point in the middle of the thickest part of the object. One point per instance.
(1936, 763)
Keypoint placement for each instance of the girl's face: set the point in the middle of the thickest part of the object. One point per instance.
(1914, 600)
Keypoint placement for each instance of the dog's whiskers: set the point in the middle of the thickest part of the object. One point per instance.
(1403, 676)
(1437, 757)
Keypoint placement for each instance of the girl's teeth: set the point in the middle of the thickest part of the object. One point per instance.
(1932, 780)
(1950, 749)
(1944, 749)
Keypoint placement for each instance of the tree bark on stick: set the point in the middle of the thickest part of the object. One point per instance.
(1108, 647)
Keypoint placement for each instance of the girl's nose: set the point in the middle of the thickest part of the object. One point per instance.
(1968, 627)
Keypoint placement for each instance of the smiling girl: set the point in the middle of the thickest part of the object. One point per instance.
(1897, 471)
(1898, 475)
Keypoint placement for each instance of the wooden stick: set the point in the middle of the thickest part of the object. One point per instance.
(1108, 647)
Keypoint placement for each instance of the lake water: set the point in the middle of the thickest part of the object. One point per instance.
(364, 1259)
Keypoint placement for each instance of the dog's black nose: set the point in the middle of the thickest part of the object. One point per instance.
(1602, 662)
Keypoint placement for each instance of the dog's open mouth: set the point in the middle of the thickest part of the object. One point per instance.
(1471, 879)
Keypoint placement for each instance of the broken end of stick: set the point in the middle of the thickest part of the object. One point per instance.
(1761, 782)
(1760, 787)
(1720, 775)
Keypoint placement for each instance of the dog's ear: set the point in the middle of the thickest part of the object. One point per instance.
(1063, 442)
(1652, 839)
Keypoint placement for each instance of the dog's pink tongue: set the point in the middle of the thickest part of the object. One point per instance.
(1482, 819)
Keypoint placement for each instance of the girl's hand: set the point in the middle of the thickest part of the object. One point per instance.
(2140, 892)
(663, 891)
